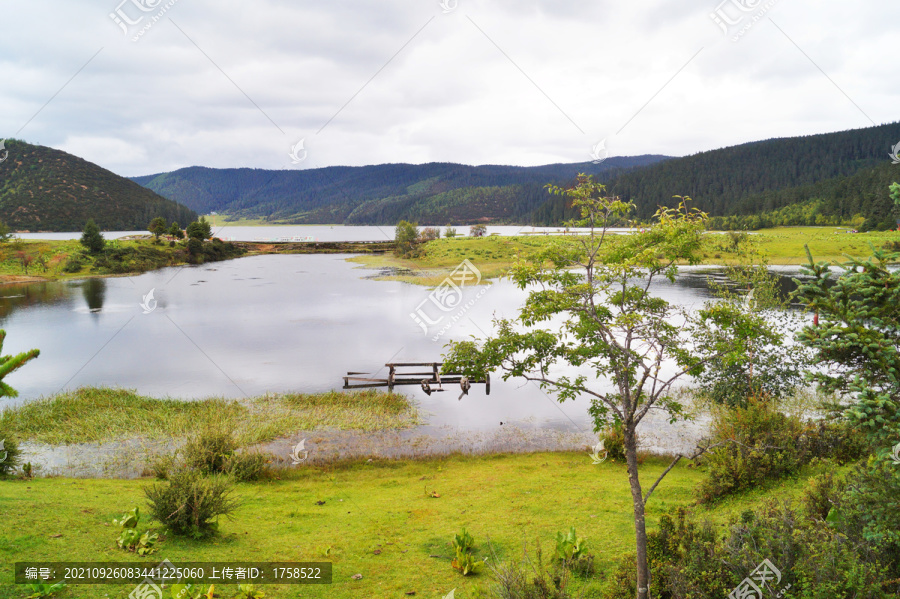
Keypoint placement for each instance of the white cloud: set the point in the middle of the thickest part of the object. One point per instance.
(449, 95)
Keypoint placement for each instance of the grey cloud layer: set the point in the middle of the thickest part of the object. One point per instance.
(449, 95)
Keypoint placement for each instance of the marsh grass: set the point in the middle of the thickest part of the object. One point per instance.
(94, 414)
(495, 255)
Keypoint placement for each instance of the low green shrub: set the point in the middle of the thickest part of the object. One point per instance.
(531, 579)
(210, 450)
(42, 589)
(692, 560)
(822, 495)
(189, 504)
(837, 440)
(755, 443)
(248, 466)
(614, 441)
(73, 264)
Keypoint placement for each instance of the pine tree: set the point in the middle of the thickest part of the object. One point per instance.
(91, 238)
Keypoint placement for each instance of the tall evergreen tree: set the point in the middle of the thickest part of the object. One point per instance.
(92, 238)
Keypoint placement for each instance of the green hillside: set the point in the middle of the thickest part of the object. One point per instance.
(847, 169)
(862, 200)
(42, 189)
(433, 194)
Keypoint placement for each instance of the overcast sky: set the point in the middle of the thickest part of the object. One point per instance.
(238, 84)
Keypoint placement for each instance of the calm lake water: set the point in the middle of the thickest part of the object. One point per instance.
(269, 323)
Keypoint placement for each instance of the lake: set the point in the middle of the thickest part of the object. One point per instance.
(271, 323)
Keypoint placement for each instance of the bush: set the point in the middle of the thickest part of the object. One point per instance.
(690, 560)
(160, 466)
(10, 455)
(834, 440)
(73, 264)
(248, 466)
(530, 580)
(614, 441)
(189, 504)
(429, 234)
(209, 451)
(758, 443)
(822, 494)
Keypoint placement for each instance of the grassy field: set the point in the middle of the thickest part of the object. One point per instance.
(378, 519)
(99, 414)
(494, 255)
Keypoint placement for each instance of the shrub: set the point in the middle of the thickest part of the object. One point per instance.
(248, 466)
(429, 234)
(690, 560)
(10, 454)
(160, 466)
(614, 441)
(821, 495)
(530, 579)
(73, 264)
(834, 440)
(189, 504)
(209, 451)
(758, 443)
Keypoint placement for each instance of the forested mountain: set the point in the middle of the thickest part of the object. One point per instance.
(761, 176)
(42, 189)
(816, 179)
(433, 194)
(862, 200)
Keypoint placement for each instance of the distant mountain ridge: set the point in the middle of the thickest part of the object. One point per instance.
(764, 175)
(736, 181)
(432, 193)
(43, 189)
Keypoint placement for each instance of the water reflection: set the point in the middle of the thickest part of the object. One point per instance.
(94, 291)
(271, 323)
(17, 296)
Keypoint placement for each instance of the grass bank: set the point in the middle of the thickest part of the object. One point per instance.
(49, 260)
(381, 520)
(100, 414)
(494, 255)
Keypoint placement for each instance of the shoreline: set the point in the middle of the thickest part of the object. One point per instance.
(493, 255)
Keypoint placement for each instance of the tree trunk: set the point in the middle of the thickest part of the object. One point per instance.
(640, 528)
